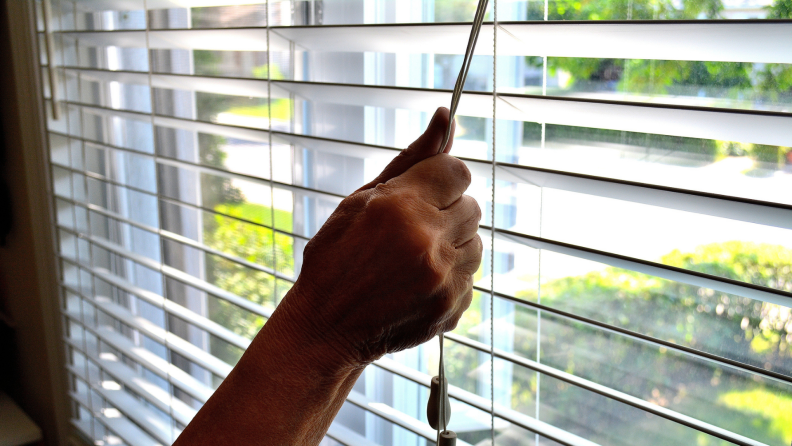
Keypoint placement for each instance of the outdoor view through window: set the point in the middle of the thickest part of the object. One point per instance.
(636, 287)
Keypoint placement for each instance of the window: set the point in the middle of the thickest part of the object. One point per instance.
(640, 212)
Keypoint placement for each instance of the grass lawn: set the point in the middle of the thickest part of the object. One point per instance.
(281, 110)
(259, 214)
(766, 406)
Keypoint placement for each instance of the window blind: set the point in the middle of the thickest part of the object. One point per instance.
(632, 158)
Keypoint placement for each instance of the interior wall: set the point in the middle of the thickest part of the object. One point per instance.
(30, 363)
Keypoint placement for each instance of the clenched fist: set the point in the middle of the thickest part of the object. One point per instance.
(393, 265)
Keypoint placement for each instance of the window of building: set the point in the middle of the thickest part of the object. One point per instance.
(641, 285)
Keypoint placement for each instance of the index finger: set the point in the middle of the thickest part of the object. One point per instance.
(440, 180)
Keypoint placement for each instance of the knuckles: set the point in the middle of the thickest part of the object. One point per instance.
(411, 231)
(473, 208)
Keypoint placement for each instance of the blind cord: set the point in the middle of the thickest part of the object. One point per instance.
(439, 407)
(463, 72)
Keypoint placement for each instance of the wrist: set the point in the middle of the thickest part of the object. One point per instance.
(299, 330)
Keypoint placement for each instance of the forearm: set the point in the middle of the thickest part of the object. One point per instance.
(286, 390)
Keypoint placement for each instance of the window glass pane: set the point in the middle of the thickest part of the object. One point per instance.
(220, 209)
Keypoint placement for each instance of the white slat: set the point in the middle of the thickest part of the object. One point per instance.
(122, 373)
(347, 436)
(143, 416)
(159, 366)
(175, 343)
(735, 210)
(236, 87)
(692, 123)
(131, 5)
(644, 268)
(722, 125)
(394, 416)
(695, 40)
(735, 41)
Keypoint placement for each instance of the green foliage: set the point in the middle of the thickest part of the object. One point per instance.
(258, 214)
(764, 404)
(781, 9)
(632, 9)
(760, 264)
(262, 72)
(750, 331)
(215, 189)
(281, 110)
(775, 80)
(206, 63)
(252, 243)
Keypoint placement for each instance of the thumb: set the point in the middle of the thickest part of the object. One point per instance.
(424, 147)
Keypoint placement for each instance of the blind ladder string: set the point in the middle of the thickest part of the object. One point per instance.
(492, 214)
(152, 99)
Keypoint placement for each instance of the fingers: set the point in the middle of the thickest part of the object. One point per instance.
(439, 180)
(469, 256)
(463, 218)
(462, 304)
(424, 147)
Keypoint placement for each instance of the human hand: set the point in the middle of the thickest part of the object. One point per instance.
(393, 266)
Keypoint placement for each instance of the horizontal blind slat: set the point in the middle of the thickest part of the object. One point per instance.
(122, 5)
(157, 365)
(122, 427)
(694, 40)
(718, 124)
(141, 415)
(735, 208)
(723, 285)
(149, 391)
(347, 436)
(712, 123)
(607, 392)
(179, 345)
(725, 208)
(736, 365)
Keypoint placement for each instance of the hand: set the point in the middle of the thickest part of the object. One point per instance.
(393, 266)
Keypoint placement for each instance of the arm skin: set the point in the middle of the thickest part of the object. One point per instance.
(390, 269)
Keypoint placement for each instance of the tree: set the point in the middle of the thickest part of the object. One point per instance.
(253, 243)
